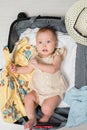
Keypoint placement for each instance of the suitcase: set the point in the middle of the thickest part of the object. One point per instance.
(18, 26)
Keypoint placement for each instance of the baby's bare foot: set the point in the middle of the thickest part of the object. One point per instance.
(29, 124)
(45, 118)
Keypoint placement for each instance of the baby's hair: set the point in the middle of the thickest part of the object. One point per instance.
(43, 29)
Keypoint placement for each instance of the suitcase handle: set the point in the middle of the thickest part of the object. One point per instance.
(22, 15)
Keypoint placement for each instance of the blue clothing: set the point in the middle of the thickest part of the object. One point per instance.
(77, 99)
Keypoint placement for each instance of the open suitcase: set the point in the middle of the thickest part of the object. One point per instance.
(18, 26)
(23, 22)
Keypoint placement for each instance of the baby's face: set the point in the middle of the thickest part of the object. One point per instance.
(46, 43)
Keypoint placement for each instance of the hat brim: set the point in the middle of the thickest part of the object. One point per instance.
(70, 19)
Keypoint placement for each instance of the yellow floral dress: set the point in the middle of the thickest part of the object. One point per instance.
(13, 87)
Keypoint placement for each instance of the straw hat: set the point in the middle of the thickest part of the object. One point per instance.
(76, 21)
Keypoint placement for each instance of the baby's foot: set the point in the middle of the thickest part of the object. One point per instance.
(29, 124)
(45, 118)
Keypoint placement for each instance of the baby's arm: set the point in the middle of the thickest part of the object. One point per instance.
(49, 68)
(21, 70)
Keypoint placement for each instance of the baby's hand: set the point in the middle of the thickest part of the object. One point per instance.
(34, 61)
(12, 68)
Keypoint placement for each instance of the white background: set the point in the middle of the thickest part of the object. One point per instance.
(8, 13)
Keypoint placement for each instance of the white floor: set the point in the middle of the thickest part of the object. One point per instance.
(8, 126)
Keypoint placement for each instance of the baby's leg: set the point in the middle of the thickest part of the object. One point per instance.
(30, 101)
(48, 107)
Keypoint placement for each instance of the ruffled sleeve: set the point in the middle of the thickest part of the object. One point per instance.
(61, 51)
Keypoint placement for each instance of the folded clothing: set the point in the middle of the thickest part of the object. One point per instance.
(77, 99)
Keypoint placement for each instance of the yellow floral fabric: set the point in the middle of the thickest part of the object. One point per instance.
(13, 87)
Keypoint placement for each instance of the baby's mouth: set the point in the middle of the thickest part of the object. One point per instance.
(45, 50)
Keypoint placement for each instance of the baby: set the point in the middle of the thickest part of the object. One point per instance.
(48, 83)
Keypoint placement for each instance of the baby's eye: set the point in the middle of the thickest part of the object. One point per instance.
(48, 41)
(40, 42)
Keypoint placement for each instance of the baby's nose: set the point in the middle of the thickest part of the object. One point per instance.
(44, 44)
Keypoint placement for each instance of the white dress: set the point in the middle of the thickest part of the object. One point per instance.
(46, 84)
